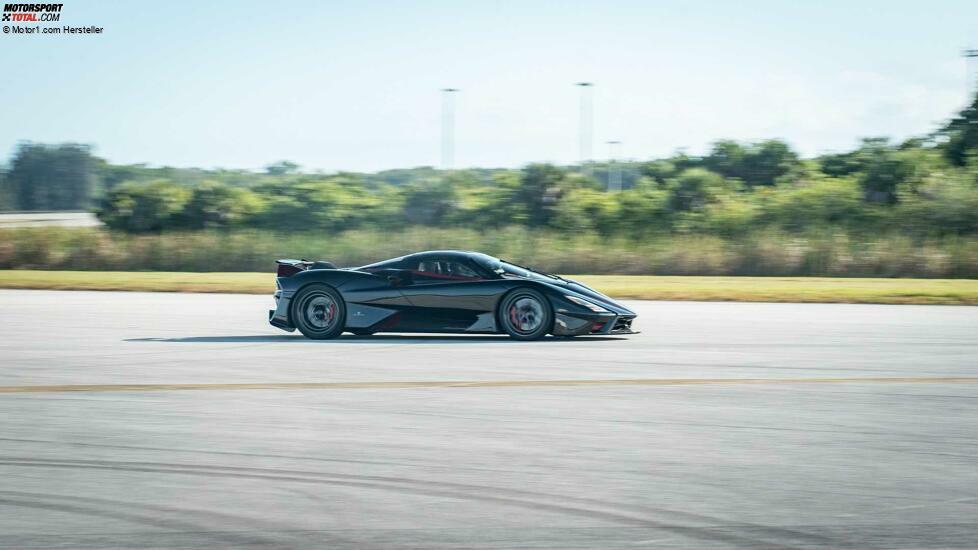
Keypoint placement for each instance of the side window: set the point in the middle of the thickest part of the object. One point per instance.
(429, 266)
(462, 270)
(436, 270)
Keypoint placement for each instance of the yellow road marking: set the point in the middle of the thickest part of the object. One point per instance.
(474, 384)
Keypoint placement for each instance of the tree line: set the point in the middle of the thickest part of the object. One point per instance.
(926, 186)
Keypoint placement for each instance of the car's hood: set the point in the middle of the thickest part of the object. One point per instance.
(591, 294)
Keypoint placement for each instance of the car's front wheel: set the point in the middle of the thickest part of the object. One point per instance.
(319, 312)
(525, 314)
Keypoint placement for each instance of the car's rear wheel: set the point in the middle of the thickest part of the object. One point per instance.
(525, 314)
(319, 312)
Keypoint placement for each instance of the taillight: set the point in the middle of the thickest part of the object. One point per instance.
(287, 270)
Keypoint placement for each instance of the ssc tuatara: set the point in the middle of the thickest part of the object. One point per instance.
(440, 291)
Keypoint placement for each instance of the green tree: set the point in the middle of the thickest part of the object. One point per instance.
(819, 203)
(333, 203)
(732, 215)
(491, 204)
(695, 188)
(769, 161)
(282, 168)
(758, 164)
(727, 158)
(51, 177)
(586, 209)
(644, 209)
(430, 202)
(6, 201)
(658, 171)
(214, 204)
(143, 207)
(961, 134)
(540, 190)
(944, 205)
(882, 170)
(840, 164)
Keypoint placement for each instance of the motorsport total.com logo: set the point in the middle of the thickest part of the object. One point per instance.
(40, 19)
(32, 13)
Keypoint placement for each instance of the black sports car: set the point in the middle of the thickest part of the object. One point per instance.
(440, 291)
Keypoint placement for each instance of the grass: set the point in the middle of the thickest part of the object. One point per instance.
(746, 289)
(789, 289)
(815, 253)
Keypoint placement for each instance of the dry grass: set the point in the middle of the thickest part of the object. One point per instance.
(789, 289)
(747, 289)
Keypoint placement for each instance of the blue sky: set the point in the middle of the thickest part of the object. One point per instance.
(354, 85)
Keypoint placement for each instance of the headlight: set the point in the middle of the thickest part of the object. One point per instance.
(582, 302)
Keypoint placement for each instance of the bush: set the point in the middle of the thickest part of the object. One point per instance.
(214, 205)
(947, 205)
(821, 253)
(819, 203)
(142, 207)
(693, 189)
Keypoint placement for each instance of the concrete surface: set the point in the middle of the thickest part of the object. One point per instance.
(810, 459)
(44, 219)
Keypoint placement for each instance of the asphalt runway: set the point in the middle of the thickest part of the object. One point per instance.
(132, 420)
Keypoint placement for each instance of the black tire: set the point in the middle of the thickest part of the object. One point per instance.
(525, 314)
(362, 331)
(313, 315)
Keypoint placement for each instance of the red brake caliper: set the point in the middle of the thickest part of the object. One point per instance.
(513, 317)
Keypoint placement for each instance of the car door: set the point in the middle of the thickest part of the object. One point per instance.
(372, 300)
(447, 294)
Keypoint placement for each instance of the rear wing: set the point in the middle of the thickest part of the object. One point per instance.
(288, 268)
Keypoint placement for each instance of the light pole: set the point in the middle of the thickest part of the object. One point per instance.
(585, 124)
(614, 168)
(448, 127)
(971, 56)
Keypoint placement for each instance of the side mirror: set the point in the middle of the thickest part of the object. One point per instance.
(394, 280)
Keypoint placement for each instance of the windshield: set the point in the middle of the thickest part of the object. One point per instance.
(394, 263)
(509, 269)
